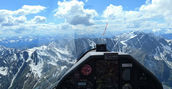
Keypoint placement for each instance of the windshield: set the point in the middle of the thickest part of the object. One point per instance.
(41, 39)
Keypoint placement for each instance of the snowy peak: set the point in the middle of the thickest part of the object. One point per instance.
(40, 67)
(140, 40)
(127, 36)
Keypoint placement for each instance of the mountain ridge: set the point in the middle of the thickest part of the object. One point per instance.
(41, 67)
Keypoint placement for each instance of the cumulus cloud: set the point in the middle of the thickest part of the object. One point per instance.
(81, 20)
(153, 15)
(27, 9)
(117, 13)
(11, 18)
(4, 14)
(113, 11)
(158, 8)
(14, 23)
(20, 19)
(74, 13)
(39, 19)
(150, 16)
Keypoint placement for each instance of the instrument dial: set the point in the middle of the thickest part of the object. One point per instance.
(86, 70)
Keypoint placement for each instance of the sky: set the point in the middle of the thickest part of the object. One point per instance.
(47, 17)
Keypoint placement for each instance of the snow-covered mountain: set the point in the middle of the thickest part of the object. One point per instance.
(153, 52)
(41, 67)
(25, 42)
(37, 67)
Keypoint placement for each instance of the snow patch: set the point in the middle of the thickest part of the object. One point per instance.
(169, 41)
(127, 36)
(156, 57)
(123, 42)
(14, 57)
(36, 69)
(12, 41)
(62, 51)
(92, 43)
(167, 48)
(132, 36)
(3, 71)
(30, 51)
(52, 63)
(63, 67)
(28, 74)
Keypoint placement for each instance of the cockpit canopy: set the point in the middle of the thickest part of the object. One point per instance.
(108, 70)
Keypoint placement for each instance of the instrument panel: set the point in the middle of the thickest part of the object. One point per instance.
(109, 71)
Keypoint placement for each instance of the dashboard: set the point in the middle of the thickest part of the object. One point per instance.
(108, 71)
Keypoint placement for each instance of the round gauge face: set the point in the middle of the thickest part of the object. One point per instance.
(86, 70)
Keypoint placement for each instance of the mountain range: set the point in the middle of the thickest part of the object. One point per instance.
(41, 67)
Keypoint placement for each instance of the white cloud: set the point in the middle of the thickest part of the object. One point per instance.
(74, 13)
(117, 13)
(38, 19)
(113, 11)
(151, 9)
(158, 8)
(147, 17)
(4, 14)
(11, 18)
(27, 9)
(153, 15)
(20, 19)
(16, 22)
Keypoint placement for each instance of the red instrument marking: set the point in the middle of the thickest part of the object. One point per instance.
(86, 70)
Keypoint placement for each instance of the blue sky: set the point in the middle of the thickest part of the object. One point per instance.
(98, 5)
(51, 5)
(25, 17)
(127, 4)
(17, 4)
(93, 4)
